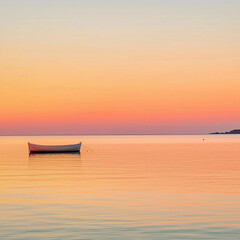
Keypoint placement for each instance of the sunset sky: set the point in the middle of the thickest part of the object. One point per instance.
(119, 67)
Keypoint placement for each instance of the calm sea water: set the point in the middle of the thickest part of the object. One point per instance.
(129, 187)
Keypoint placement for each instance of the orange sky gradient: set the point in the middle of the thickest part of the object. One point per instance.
(123, 68)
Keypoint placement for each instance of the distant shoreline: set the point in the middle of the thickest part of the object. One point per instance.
(234, 131)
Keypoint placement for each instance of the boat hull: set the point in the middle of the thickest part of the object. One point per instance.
(35, 148)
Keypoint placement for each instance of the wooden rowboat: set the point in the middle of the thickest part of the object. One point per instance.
(34, 148)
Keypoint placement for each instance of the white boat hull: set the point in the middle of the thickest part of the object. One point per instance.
(35, 148)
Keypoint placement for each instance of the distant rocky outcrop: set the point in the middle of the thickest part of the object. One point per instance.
(234, 131)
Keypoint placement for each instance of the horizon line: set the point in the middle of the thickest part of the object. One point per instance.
(113, 134)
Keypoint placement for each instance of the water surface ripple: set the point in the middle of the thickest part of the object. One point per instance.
(129, 187)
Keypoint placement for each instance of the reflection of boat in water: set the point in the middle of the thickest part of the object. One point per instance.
(54, 162)
(35, 148)
(38, 155)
